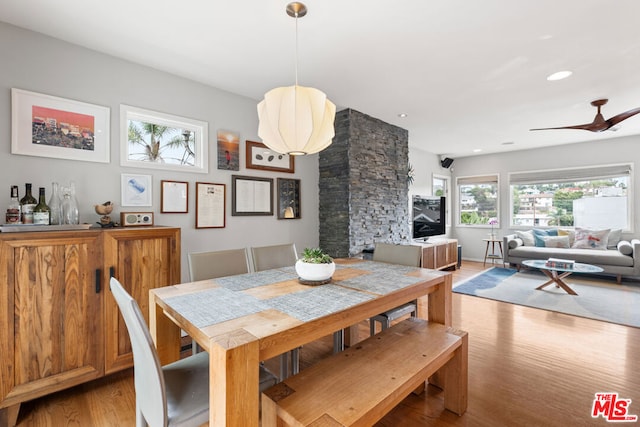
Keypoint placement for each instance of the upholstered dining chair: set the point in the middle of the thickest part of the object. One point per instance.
(275, 256)
(212, 264)
(409, 255)
(176, 394)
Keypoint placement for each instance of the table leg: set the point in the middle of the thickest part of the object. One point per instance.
(234, 394)
(557, 279)
(165, 333)
(439, 303)
(486, 252)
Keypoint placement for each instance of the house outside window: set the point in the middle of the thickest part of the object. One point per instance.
(593, 197)
(477, 199)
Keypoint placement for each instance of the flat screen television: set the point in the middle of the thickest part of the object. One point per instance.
(429, 218)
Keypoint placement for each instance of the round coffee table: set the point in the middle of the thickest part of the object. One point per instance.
(554, 277)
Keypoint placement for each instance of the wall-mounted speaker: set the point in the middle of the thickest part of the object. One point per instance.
(446, 162)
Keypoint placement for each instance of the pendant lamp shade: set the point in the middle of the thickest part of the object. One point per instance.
(296, 120)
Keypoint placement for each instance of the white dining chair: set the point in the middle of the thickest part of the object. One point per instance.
(409, 255)
(176, 394)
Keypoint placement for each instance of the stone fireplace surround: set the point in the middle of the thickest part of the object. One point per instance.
(363, 185)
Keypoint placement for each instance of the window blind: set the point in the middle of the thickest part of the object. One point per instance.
(482, 179)
(569, 175)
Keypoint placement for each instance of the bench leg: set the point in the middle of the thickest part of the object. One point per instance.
(269, 412)
(456, 377)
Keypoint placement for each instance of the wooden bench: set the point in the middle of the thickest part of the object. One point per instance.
(358, 386)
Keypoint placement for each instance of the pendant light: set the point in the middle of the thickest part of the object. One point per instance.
(296, 120)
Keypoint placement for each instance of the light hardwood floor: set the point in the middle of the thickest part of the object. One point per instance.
(527, 367)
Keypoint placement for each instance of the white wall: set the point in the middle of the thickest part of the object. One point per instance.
(603, 152)
(42, 64)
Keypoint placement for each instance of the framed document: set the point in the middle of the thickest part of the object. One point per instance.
(251, 195)
(174, 196)
(210, 205)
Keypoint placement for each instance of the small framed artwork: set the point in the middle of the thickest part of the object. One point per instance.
(174, 196)
(259, 156)
(48, 126)
(150, 139)
(228, 150)
(288, 198)
(251, 195)
(135, 190)
(210, 205)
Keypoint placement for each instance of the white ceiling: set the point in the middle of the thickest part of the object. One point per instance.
(469, 74)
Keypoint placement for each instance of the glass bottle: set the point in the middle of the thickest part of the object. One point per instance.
(69, 206)
(13, 210)
(54, 204)
(27, 203)
(41, 213)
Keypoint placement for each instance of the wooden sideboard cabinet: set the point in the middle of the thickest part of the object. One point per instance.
(59, 325)
(440, 254)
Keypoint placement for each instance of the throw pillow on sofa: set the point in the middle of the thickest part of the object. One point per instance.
(615, 235)
(538, 234)
(561, 242)
(591, 239)
(568, 232)
(526, 237)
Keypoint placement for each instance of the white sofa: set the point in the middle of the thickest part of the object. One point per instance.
(620, 260)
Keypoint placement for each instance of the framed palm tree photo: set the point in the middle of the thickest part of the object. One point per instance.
(150, 139)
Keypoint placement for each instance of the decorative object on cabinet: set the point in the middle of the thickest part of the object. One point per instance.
(210, 205)
(48, 126)
(68, 311)
(134, 219)
(259, 156)
(251, 195)
(174, 196)
(104, 210)
(135, 190)
(150, 139)
(228, 150)
(288, 198)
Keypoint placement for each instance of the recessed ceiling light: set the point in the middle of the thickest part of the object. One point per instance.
(559, 75)
(477, 150)
(402, 115)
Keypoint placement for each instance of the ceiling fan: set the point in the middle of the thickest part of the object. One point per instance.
(599, 124)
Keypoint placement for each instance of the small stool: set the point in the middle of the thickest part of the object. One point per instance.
(493, 256)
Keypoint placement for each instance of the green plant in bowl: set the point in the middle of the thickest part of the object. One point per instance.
(315, 256)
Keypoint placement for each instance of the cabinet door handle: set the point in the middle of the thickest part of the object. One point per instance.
(98, 276)
(112, 271)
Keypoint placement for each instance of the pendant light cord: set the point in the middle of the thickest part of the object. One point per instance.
(296, 49)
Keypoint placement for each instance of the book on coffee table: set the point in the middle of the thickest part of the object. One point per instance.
(560, 263)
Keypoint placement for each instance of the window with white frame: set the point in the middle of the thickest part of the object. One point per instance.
(477, 199)
(588, 197)
(440, 187)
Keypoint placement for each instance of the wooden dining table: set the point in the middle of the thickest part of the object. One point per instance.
(244, 319)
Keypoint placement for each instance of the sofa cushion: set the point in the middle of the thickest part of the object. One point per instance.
(568, 232)
(587, 256)
(515, 242)
(555, 241)
(615, 235)
(526, 237)
(538, 234)
(625, 248)
(591, 239)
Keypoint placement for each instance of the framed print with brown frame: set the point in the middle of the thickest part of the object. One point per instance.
(259, 156)
(210, 205)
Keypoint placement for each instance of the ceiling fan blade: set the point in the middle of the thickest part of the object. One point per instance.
(622, 116)
(582, 127)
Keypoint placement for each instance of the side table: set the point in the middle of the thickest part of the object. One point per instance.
(493, 255)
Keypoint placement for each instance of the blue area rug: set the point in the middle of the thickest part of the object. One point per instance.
(598, 298)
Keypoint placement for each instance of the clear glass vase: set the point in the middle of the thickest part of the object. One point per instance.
(55, 205)
(69, 206)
